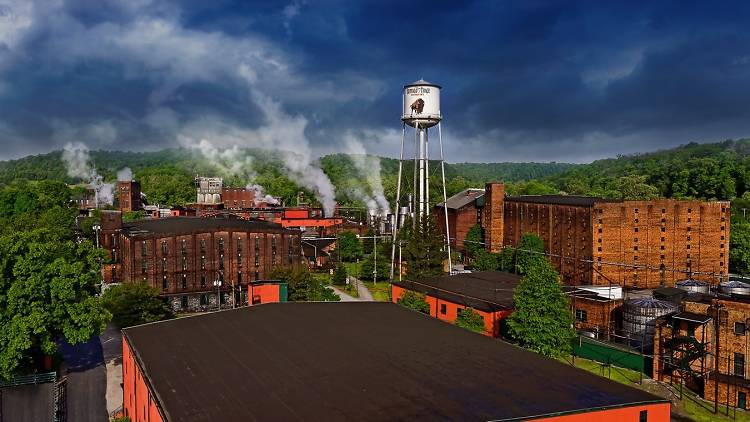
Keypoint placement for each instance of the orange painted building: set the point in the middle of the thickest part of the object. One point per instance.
(267, 292)
(138, 402)
(285, 362)
(489, 293)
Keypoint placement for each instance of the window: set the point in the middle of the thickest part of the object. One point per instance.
(143, 248)
(164, 265)
(257, 275)
(221, 261)
(183, 246)
(184, 263)
(203, 280)
(635, 229)
(581, 315)
(742, 400)
(144, 267)
(443, 309)
(203, 262)
(163, 247)
(663, 229)
(643, 416)
(739, 328)
(184, 281)
(239, 277)
(203, 246)
(184, 302)
(739, 365)
(221, 245)
(164, 283)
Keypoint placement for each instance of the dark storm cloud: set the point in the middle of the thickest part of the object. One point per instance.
(523, 81)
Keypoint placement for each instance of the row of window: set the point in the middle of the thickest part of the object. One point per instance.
(220, 245)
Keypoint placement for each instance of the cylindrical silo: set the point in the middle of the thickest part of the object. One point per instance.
(639, 316)
(694, 286)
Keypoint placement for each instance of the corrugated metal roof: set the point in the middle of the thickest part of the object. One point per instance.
(184, 225)
(486, 290)
(572, 200)
(463, 198)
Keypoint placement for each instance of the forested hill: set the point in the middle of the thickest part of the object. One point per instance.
(166, 176)
(707, 171)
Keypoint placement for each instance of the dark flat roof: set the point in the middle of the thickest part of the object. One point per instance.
(572, 200)
(184, 225)
(359, 361)
(485, 290)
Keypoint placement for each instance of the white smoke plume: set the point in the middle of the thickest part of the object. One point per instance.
(125, 175)
(260, 195)
(76, 158)
(369, 167)
(281, 132)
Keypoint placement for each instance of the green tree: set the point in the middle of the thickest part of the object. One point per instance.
(423, 252)
(486, 261)
(474, 240)
(634, 187)
(542, 321)
(134, 304)
(528, 252)
(47, 292)
(414, 301)
(339, 276)
(133, 215)
(470, 319)
(367, 244)
(739, 248)
(348, 247)
(302, 286)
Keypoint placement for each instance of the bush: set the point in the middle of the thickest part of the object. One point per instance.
(470, 319)
(414, 301)
(134, 304)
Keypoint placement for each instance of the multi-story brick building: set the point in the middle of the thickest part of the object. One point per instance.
(183, 256)
(129, 195)
(597, 241)
(686, 345)
(464, 212)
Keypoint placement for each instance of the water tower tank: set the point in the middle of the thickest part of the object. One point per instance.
(693, 286)
(421, 104)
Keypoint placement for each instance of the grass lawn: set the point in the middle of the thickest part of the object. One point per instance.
(691, 406)
(381, 291)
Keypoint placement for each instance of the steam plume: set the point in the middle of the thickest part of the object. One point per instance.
(125, 175)
(369, 167)
(76, 158)
(260, 196)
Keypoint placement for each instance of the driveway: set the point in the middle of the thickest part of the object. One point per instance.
(364, 292)
(87, 380)
(344, 297)
(111, 340)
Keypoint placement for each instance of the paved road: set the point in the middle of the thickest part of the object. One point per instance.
(111, 340)
(344, 297)
(87, 381)
(364, 292)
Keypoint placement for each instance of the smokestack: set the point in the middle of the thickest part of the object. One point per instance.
(492, 215)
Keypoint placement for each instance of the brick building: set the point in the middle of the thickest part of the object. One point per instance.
(290, 361)
(643, 244)
(183, 256)
(489, 293)
(686, 345)
(129, 196)
(464, 212)
(595, 308)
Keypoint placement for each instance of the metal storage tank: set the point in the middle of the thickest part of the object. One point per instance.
(735, 287)
(639, 315)
(421, 104)
(693, 286)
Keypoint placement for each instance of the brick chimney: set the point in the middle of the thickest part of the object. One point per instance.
(492, 215)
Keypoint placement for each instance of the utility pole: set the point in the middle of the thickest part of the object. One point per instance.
(375, 259)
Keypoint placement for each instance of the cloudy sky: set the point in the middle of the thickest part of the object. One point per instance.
(523, 81)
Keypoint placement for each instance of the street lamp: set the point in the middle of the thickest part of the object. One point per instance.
(218, 283)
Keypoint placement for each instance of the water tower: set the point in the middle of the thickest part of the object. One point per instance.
(421, 111)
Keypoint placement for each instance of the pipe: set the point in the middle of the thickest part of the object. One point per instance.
(445, 200)
(397, 208)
